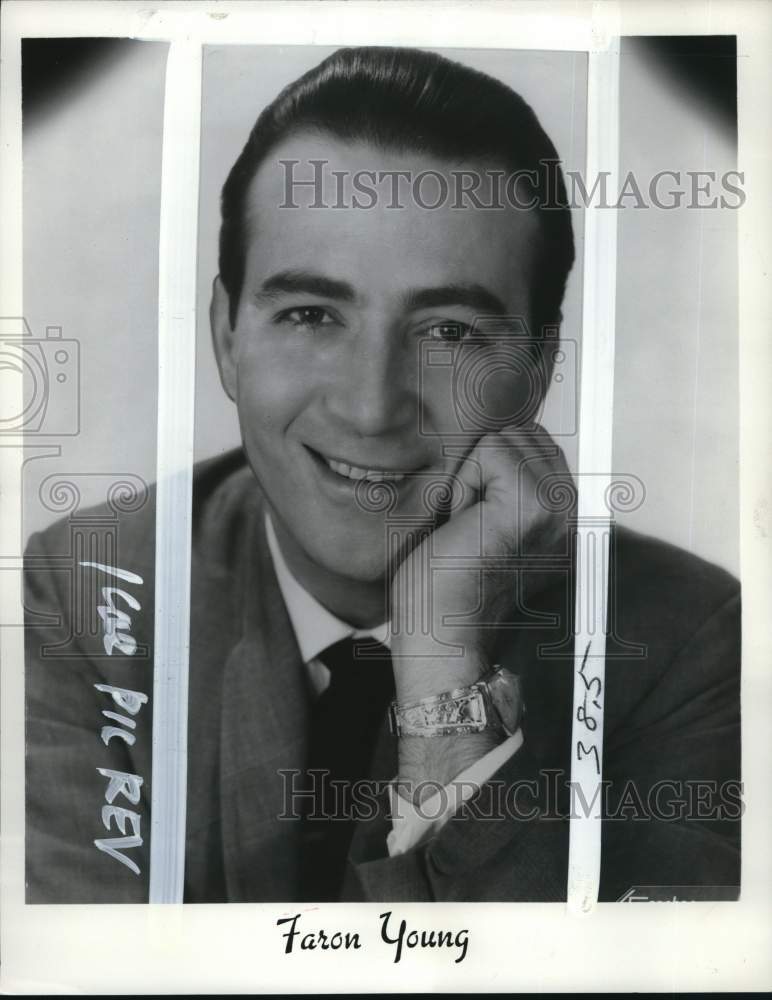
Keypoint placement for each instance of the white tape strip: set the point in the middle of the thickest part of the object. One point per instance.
(594, 476)
(176, 371)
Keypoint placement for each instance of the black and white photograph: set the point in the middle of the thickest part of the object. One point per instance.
(381, 526)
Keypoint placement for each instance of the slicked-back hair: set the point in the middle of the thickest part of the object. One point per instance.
(410, 100)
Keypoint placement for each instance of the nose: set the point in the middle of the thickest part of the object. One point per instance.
(373, 390)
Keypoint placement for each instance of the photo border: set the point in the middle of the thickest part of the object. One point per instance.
(158, 948)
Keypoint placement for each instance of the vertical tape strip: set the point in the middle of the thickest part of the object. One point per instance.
(176, 371)
(594, 477)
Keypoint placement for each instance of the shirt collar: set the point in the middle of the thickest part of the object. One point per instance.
(315, 627)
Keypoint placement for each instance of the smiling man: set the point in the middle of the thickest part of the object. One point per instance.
(393, 260)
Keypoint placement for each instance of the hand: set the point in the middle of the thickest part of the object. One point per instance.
(500, 509)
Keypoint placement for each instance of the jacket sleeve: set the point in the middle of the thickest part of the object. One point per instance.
(671, 802)
(70, 803)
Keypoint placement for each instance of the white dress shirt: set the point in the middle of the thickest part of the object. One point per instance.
(316, 629)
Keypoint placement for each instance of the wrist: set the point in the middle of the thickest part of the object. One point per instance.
(419, 674)
(449, 720)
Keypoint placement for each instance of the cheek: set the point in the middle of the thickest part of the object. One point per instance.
(479, 393)
(436, 397)
(271, 391)
(511, 396)
(500, 384)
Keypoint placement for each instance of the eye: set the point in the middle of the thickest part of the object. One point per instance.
(448, 331)
(306, 317)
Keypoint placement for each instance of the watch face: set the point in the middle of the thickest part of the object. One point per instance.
(506, 695)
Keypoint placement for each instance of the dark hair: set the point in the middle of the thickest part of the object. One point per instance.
(408, 99)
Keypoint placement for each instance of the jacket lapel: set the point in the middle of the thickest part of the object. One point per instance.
(264, 725)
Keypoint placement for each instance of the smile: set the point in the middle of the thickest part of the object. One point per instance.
(357, 472)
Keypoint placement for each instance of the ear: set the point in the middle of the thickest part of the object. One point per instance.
(223, 337)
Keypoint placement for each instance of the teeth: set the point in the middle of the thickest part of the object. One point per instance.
(355, 472)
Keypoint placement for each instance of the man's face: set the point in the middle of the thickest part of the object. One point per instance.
(342, 357)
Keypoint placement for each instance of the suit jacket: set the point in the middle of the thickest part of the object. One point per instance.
(671, 739)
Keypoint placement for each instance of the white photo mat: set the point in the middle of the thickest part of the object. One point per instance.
(141, 949)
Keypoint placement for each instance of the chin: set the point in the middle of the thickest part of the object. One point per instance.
(365, 560)
(361, 565)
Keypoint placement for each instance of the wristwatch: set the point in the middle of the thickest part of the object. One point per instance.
(492, 703)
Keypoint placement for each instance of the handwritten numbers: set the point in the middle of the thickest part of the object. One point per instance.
(593, 689)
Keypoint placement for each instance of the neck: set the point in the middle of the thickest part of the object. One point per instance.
(361, 604)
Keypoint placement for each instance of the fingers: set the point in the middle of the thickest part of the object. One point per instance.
(515, 460)
(523, 482)
(546, 473)
(545, 454)
(466, 485)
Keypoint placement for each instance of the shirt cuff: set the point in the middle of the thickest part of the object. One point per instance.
(412, 825)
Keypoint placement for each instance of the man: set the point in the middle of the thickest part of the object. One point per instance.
(387, 353)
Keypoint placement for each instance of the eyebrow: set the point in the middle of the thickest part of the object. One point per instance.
(303, 282)
(474, 296)
(294, 282)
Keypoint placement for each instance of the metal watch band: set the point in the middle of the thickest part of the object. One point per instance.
(472, 709)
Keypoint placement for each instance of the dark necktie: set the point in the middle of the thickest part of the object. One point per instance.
(344, 726)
